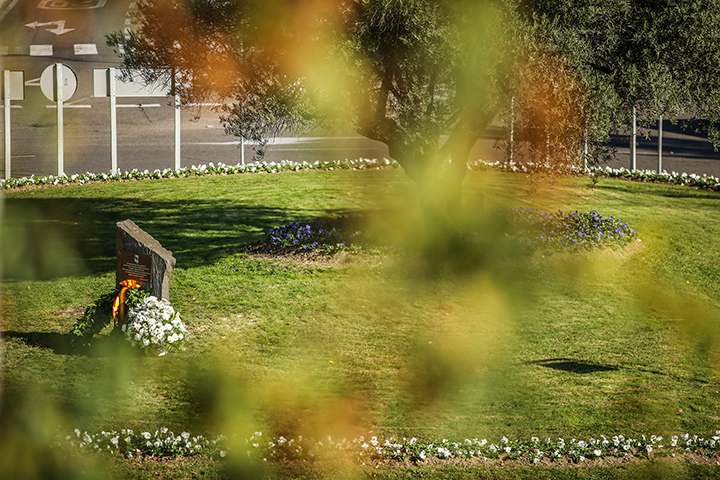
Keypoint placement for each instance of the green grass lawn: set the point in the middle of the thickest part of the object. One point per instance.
(439, 342)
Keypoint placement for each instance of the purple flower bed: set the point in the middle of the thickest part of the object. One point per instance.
(321, 234)
(573, 231)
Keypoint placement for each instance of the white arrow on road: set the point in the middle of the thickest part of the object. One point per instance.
(58, 30)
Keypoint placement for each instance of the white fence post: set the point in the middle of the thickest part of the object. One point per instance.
(633, 142)
(660, 132)
(7, 124)
(113, 121)
(512, 128)
(176, 104)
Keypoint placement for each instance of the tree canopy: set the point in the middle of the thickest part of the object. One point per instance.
(426, 77)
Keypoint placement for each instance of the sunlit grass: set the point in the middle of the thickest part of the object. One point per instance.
(562, 344)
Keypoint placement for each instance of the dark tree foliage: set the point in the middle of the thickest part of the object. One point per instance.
(426, 77)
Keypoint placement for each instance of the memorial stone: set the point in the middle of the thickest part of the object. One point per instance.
(141, 258)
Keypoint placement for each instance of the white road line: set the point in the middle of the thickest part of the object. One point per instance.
(138, 105)
(85, 49)
(41, 50)
(10, 5)
(11, 106)
(288, 141)
(69, 106)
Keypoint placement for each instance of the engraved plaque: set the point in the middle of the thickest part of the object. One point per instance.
(136, 266)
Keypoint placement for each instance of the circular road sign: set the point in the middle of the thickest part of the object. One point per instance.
(48, 79)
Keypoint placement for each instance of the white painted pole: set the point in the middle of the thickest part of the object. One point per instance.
(547, 147)
(633, 143)
(242, 150)
(660, 129)
(113, 120)
(177, 125)
(512, 128)
(7, 125)
(60, 121)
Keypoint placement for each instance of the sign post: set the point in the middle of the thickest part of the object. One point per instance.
(107, 82)
(13, 89)
(58, 82)
(60, 120)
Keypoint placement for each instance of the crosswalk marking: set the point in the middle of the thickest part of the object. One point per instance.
(41, 50)
(48, 50)
(85, 49)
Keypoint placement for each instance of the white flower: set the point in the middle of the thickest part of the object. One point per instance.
(154, 322)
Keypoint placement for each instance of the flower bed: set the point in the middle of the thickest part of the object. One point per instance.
(572, 231)
(326, 235)
(373, 449)
(688, 179)
(202, 170)
(674, 178)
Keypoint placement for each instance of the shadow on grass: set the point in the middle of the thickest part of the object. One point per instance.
(581, 368)
(45, 239)
(573, 366)
(62, 344)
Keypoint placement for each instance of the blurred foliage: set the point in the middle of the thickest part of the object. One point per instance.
(410, 72)
(462, 335)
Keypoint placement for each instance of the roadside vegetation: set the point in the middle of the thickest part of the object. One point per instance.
(426, 335)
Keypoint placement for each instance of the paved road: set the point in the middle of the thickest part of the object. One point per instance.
(37, 33)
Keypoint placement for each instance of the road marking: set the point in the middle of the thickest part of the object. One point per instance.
(69, 106)
(71, 4)
(137, 105)
(7, 9)
(289, 141)
(58, 30)
(41, 50)
(12, 106)
(35, 82)
(85, 49)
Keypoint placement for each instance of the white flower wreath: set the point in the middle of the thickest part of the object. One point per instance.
(154, 324)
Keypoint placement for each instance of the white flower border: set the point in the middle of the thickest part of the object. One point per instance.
(166, 443)
(687, 179)
(202, 170)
